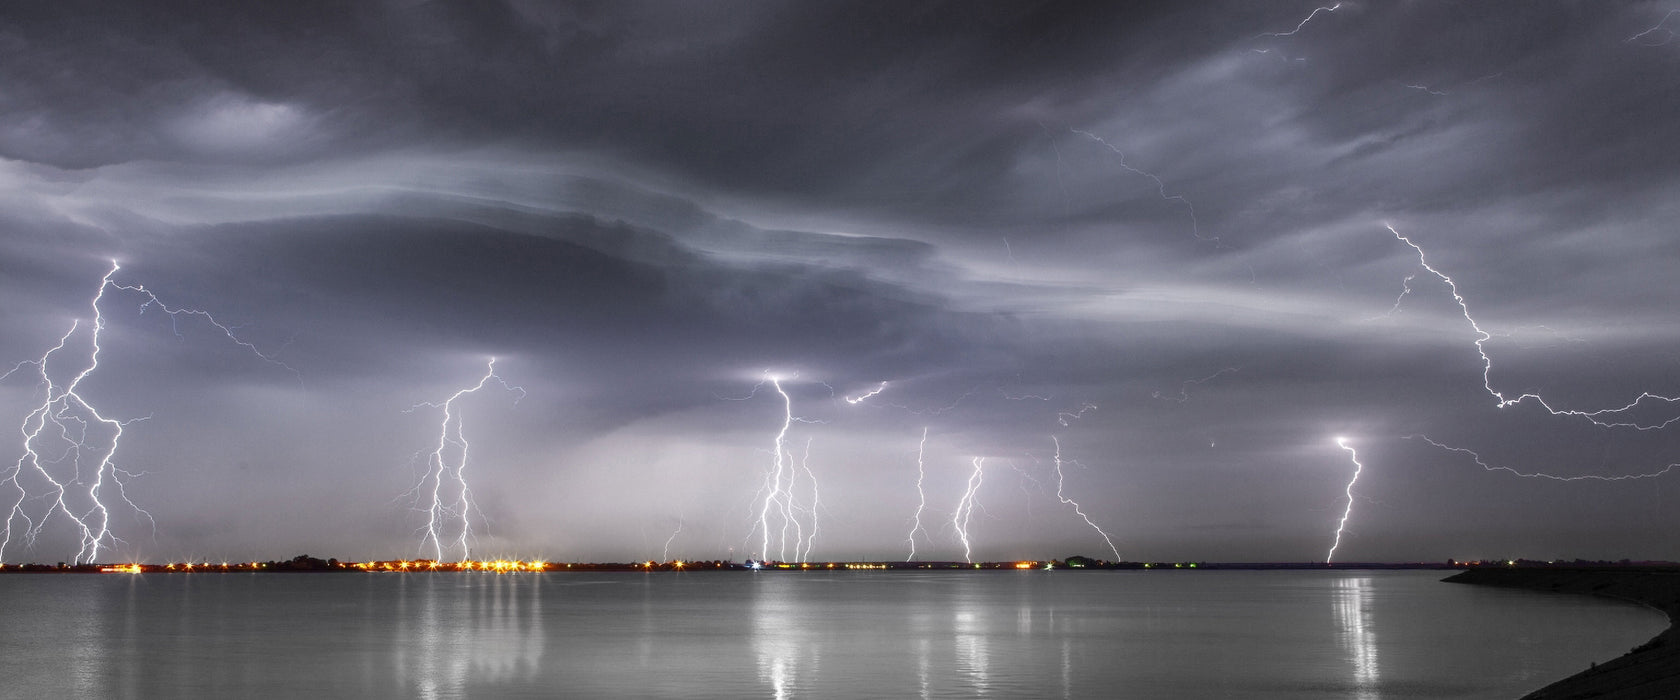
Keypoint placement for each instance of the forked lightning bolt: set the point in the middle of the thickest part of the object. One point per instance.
(778, 488)
(1342, 526)
(446, 468)
(965, 508)
(57, 437)
(1605, 417)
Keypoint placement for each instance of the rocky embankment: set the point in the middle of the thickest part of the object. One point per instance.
(1651, 670)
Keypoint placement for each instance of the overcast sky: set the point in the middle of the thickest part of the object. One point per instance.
(1154, 234)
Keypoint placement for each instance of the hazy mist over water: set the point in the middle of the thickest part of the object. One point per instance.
(877, 634)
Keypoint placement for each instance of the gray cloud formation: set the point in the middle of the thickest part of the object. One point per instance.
(1006, 212)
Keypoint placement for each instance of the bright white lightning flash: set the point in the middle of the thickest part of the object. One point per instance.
(921, 496)
(1304, 21)
(780, 502)
(965, 508)
(1060, 480)
(446, 467)
(855, 400)
(1342, 526)
(57, 444)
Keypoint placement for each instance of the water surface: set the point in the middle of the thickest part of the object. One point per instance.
(1005, 634)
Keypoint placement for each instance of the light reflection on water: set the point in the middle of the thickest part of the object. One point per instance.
(1316, 634)
(1353, 616)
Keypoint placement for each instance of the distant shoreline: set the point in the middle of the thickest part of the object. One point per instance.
(1650, 670)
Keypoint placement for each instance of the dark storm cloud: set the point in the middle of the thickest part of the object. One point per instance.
(1156, 232)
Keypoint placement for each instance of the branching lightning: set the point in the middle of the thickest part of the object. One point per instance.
(921, 496)
(57, 439)
(446, 468)
(1606, 418)
(778, 489)
(965, 508)
(1342, 526)
(1060, 481)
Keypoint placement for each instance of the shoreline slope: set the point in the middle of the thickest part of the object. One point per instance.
(1650, 670)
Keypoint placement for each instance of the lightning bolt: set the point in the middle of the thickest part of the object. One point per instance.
(965, 508)
(1304, 21)
(780, 500)
(447, 465)
(1658, 27)
(1538, 475)
(1060, 480)
(64, 417)
(816, 502)
(921, 495)
(665, 554)
(1160, 187)
(1342, 526)
(866, 395)
(1606, 418)
(1184, 386)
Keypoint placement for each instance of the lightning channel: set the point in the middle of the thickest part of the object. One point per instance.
(56, 436)
(1184, 386)
(965, 508)
(450, 498)
(1540, 475)
(1060, 481)
(1346, 513)
(921, 495)
(1605, 417)
(1668, 34)
(1304, 21)
(1160, 187)
(855, 400)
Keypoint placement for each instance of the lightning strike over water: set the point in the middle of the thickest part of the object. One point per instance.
(965, 508)
(1060, 481)
(778, 490)
(1342, 526)
(446, 467)
(57, 444)
(921, 496)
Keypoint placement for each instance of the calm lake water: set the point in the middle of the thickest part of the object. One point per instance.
(1005, 634)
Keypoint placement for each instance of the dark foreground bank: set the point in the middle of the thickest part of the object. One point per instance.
(1650, 670)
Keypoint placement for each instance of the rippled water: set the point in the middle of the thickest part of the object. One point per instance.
(1208, 634)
